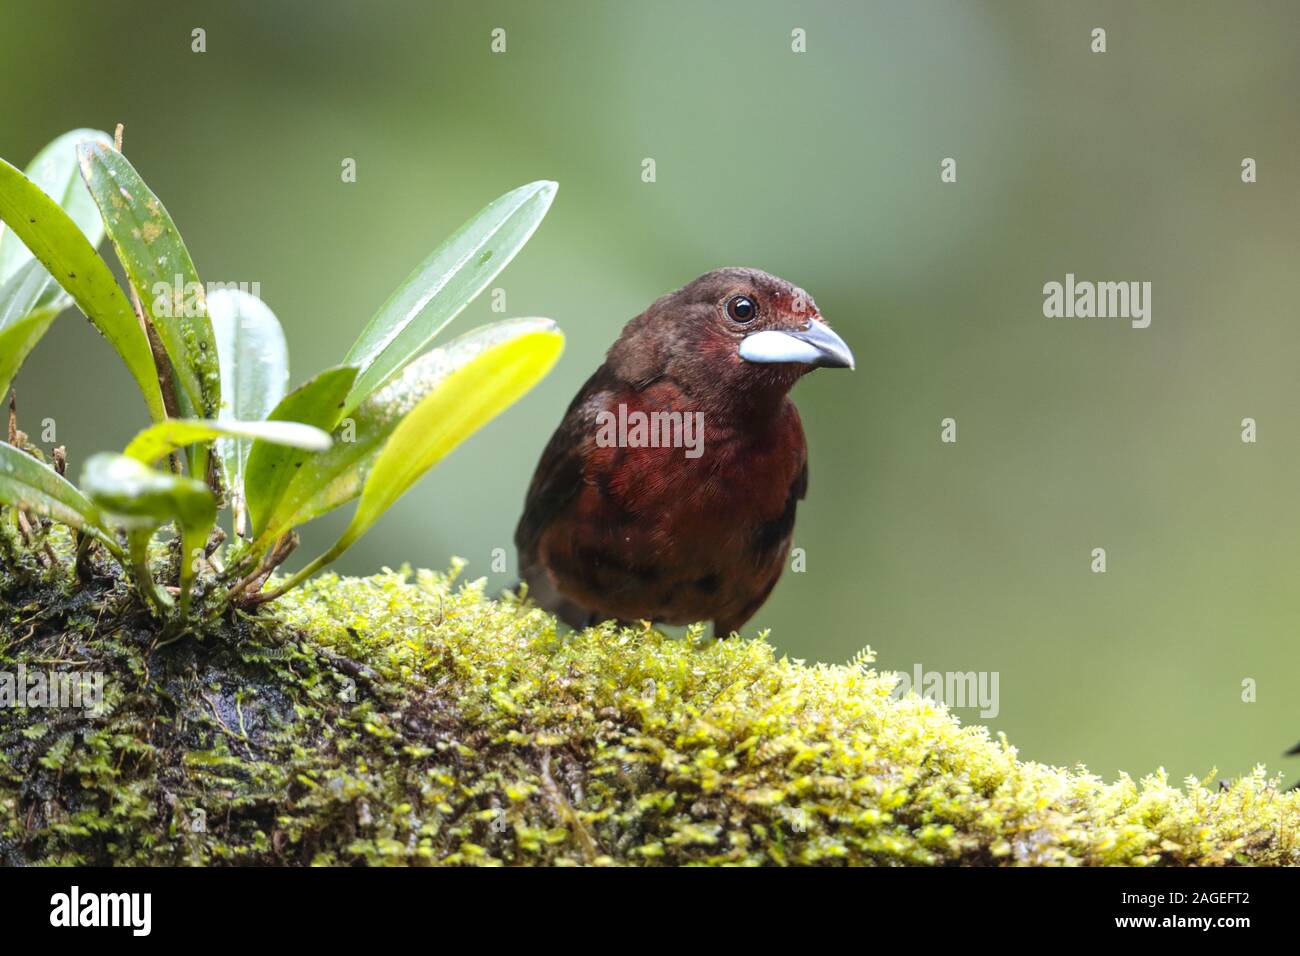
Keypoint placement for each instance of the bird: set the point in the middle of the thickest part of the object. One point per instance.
(668, 491)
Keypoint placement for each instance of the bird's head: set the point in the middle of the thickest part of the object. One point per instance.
(736, 331)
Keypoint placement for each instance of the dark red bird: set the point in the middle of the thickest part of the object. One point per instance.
(668, 492)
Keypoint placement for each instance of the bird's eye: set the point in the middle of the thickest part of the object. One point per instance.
(741, 308)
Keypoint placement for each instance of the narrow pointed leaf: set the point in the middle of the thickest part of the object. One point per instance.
(17, 340)
(28, 290)
(30, 298)
(477, 392)
(159, 267)
(54, 171)
(254, 359)
(65, 252)
(29, 303)
(271, 467)
(441, 286)
(28, 483)
(160, 440)
(475, 375)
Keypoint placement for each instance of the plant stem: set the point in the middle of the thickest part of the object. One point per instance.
(258, 575)
(249, 557)
(242, 561)
(81, 566)
(140, 568)
(263, 596)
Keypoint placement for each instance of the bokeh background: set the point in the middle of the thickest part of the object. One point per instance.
(822, 167)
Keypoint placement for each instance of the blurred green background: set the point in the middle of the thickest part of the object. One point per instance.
(822, 167)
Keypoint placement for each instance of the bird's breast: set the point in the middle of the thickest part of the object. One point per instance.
(678, 518)
(683, 474)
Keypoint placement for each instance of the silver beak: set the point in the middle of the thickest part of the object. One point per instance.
(815, 345)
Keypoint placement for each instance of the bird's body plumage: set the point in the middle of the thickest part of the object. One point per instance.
(631, 531)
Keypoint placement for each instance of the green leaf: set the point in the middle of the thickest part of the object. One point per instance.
(155, 259)
(61, 247)
(162, 439)
(511, 357)
(54, 172)
(441, 286)
(17, 340)
(141, 498)
(29, 302)
(28, 483)
(30, 298)
(254, 372)
(444, 395)
(318, 402)
(28, 290)
(160, 270)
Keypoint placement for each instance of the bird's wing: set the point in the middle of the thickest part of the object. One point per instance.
(559, 474)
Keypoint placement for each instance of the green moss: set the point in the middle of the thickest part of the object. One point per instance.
(404, 719)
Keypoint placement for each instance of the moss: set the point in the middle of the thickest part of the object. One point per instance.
(402, 718)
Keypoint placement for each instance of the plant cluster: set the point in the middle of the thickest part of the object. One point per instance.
(213, 369)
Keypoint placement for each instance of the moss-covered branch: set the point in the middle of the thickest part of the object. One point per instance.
(403, 719)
